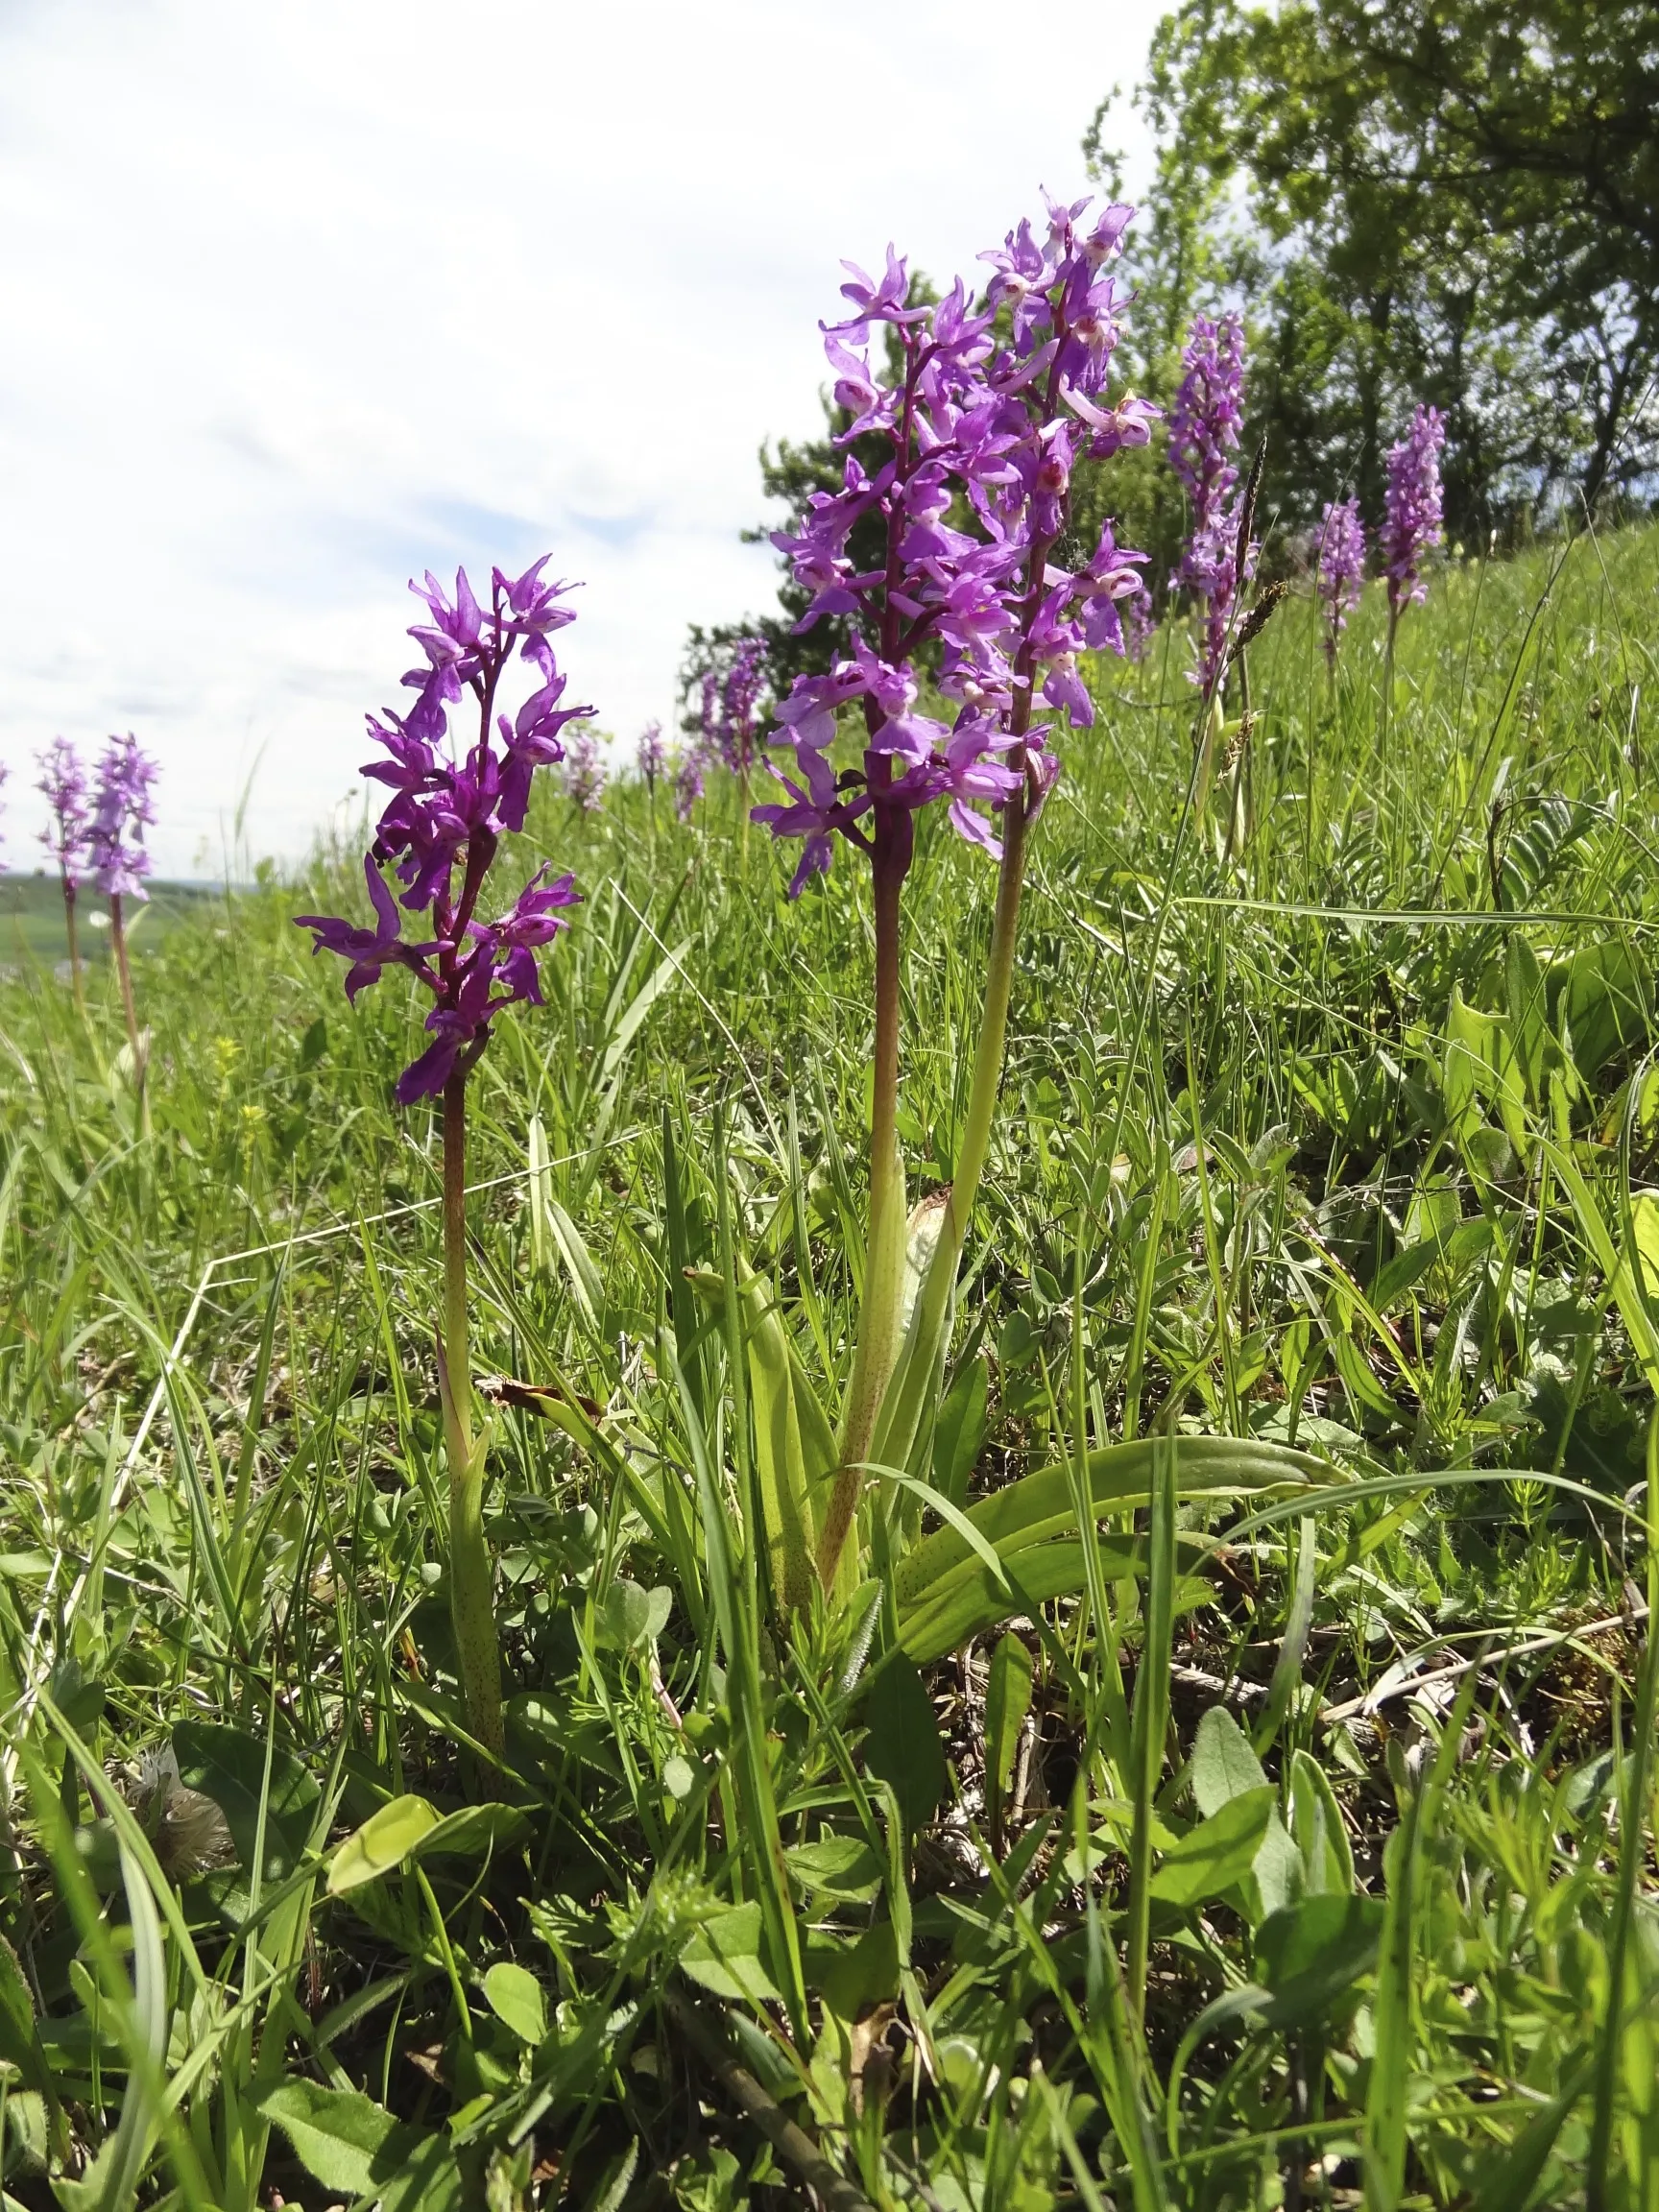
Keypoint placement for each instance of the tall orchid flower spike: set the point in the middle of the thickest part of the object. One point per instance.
(1341, 570)
(63, 786)
(453, 799)
(1204, 425)
(117, 862)
(992, 402)
(1411, 510)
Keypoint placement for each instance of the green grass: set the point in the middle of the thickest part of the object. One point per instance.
(1304, 1858)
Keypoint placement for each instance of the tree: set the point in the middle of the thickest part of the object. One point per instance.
(1454, 200)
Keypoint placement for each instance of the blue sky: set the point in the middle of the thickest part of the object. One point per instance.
(305, 299)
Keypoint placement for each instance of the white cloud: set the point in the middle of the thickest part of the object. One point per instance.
(305, 299)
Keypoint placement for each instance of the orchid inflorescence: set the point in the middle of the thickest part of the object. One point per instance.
(1204, 425)
(122, 809)
(1411, 508)
(652, 755)
(449, 812)
(62, 785)
(1341, 569)
(585, 771)
(990, 406)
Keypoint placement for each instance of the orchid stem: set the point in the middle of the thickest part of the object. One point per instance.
(878, 1343)
(72, 930)
(472, 1594)
(128, 1007)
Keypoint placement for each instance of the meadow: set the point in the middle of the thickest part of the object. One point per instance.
(1257, 1828)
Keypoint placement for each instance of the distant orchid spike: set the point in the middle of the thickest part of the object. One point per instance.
(1204, 425)
(452, 803)
(740, 696)
(1411, 509)
(1341, 569)
(122, 811)
(652, 757)
(63, 786)
(585, 771)
(688, 780)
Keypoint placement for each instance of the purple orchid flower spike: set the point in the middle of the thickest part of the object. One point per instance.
(1411, 510)
(652, 757)
(452, 803)
(980, 423)
(117, 863)
(1340, 570)
(1204, 426)
(585, 772)
(450, 806)
(63, 786)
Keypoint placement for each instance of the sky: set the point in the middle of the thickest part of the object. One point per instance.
(303, 299)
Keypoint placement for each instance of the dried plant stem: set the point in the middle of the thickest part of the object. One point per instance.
(471, 1595)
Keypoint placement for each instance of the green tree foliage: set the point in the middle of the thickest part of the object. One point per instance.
(1458, 202)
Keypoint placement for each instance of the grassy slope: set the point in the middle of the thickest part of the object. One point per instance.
(1230, 1116)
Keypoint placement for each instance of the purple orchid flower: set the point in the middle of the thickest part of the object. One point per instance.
(449, 809)
(982, 437)
(1411, 509)
(1341, 569)
(585, 772)
(122, 811)
(1204, 425)
(652, 755)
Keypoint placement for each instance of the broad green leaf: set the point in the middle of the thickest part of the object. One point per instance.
(1218, 1853)
(903, 1747)
(1223, 1763)
(1309, 1954)
(342, 2138)
(428, 2179)
(633, 1617)
(1276, 1878)
(229, 1766)
(1007, 1701)
(470, 1833)
(385, 1840)
(836, 1866)
(517, 2000)
(724, 1955)
(1038, 1507)
(972, 1599)
(1599, 1004)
